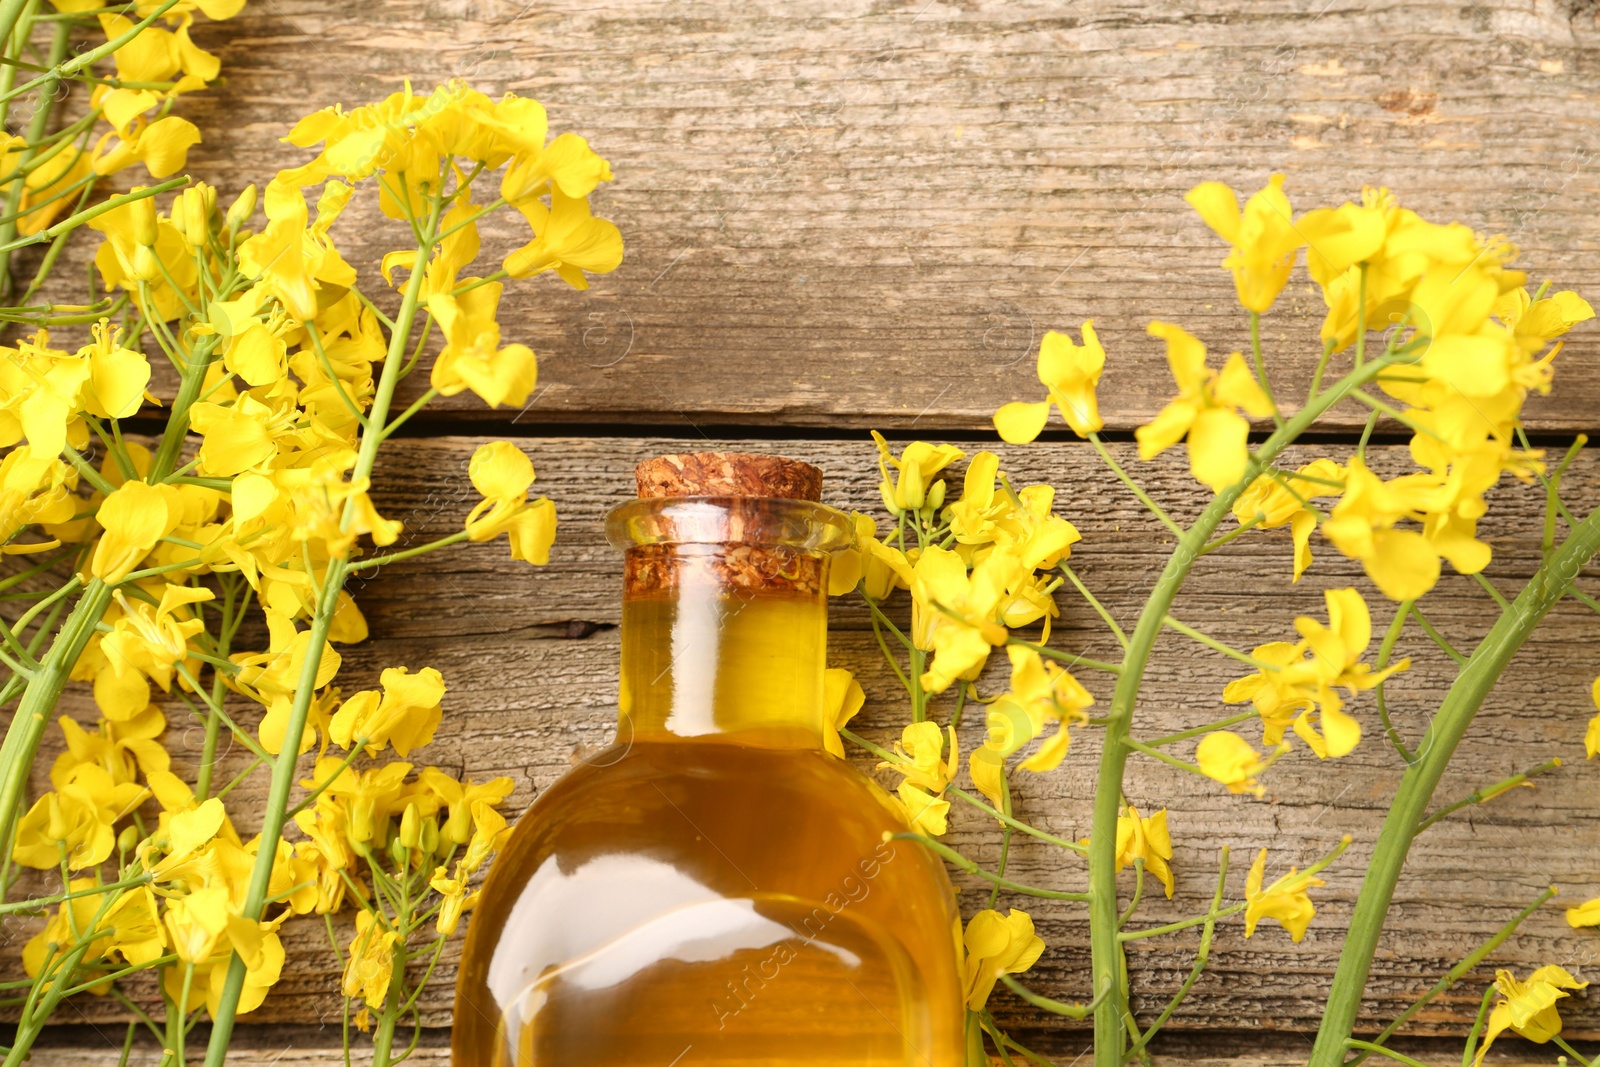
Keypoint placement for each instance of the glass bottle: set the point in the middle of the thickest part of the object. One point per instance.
(715, 887)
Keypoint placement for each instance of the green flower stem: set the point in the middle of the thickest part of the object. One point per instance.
(1472, 685)
(1133, 486)
(1385, 651)
(1261, 367)
(383, 1039)
(90, 57)
(1200, 959)
(1212, 643)
(283, 768)
(177, 431)
(394, 557)
(961, 862)
(1198, 731)
(1458, 972)
(1489, 792)
(1370, 1047)
(1110, 1036)
(1438, 638)
(1054, 1007)
(1094, 602)
(38, 126)
(39, 699)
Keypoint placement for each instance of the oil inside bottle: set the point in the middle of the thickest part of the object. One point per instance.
(714, 888)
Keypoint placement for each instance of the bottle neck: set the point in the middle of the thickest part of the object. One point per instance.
(707, 651)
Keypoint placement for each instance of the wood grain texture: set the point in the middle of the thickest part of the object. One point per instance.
(852, 214)
(872, 211)
(530, 658)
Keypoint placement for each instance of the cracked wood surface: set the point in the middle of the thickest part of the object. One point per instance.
(530, 656)
(890, 202)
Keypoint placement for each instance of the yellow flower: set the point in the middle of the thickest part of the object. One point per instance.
(370, 967)
(867, 564)
(43, 391)
(125, 262)
(1400, 562)
(1529, 1008)
(134, 926)
(924, 813)
(921, 748)
(370, 798)
(472, 357)
(460, 797)
(1585, 914)
(75, 822)
(568, 240)
(1226, 757)
(1071, 373)
(456, 899)
(502, 472)
(911, 488)
(134, 516)
(1591, 737)
(995, 945)
(34, 489)
(958, 616)
(244, 435)
(119, 748)
(153, 641)
(406, 716)
(1263, 236)
(1269, 503)
(1040, 692)
(489, 834)
(1285, 901)
(841, 699)
(1206, 411)
(293, 258)
(1146, 838)
(72, 918)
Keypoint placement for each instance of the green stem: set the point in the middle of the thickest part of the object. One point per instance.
(1133, 486)
(1479, 796)
(1472, 685)
(1261, 367)
(1459, 971)
(1110, 1038)
(177, 431)
(39, 699)
(283, 768)
(961, 862)
(1200, 959)
(38, 126)
(383, 1040)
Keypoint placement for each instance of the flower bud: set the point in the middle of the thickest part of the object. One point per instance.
(196, 215)
(398, 852)
(239, 212)
(410, 831)
(429, 841)
(145, 267)
(144, 218)
(128, 840)
(936, 495)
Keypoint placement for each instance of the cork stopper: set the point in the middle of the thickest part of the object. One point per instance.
(747, 559)
(728, 474)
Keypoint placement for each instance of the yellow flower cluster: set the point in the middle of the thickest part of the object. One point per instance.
(287, 373)
(156, 61)
(976, 568)
(1467, 344)
(181, 887)
(1297, 684)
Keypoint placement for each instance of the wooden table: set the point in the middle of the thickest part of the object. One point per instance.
(847, 216)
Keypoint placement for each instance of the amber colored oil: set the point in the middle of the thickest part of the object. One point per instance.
(714, 888)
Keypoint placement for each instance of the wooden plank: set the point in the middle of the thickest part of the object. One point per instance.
(298, 1046)
(530, 657)
(892, 203)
